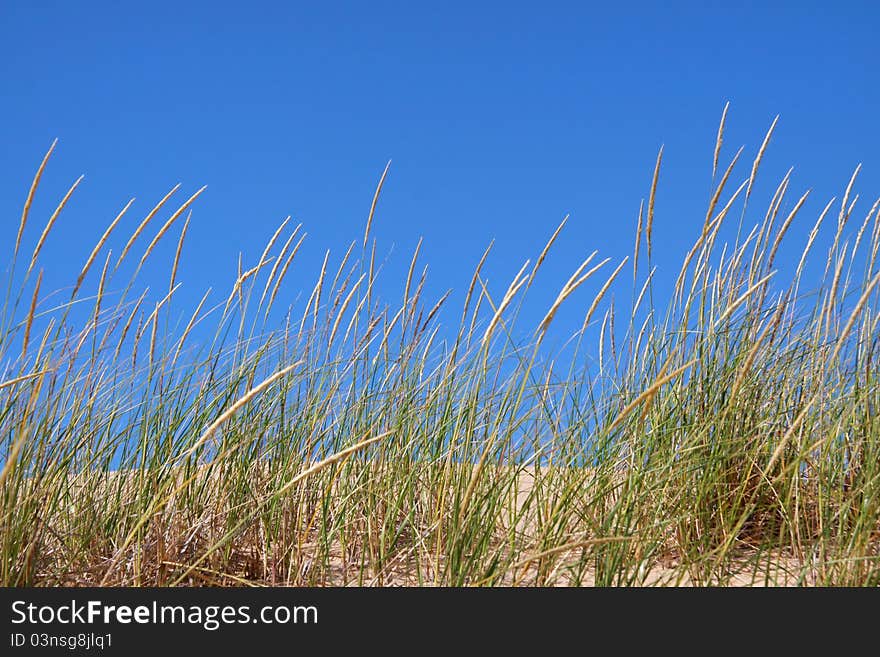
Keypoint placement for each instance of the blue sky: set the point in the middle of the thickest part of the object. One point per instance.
(500, 118)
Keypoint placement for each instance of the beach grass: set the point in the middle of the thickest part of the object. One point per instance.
(724, 434)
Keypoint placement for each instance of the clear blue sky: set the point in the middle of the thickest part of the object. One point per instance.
(500, 119)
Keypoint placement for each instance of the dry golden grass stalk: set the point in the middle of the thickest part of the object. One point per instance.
(143, 224)
(771, 325)
(718, 190)
(650, 392)
(168, 224)
(98, 247)
(386, 331)
(784, 228)
(638, 241)
(356, 314)
(546, 249)
(189, 327)
(641, 335)
(375, 201)
(844, 213)
(30, 318)
(813, 233)
(705, 240)
(644, 289)
(769, 220)
(30, 196)
(50, 327)
(283, 272)
(719, 139)
(179, 250)
(342, 308)
(435, 309)
(232, 410)
(278, 261)
(100, 296)
(832, 294)
(371, 273)
(242, 277)
(875, 241)
(128, 322)
(601, 294)
(414, 300)
(732, 306)
(864, 227)
(474, 277)
(274, 237)
(409, 275)
(315, 297)
(51, 222)
(12, 457)
(20, 379)
(760, 156)
(340, 268)
(561, 549)
(650, 223)
(602, 329)
(512, 289)
(570, 286)
(153, 341)
(161, 303)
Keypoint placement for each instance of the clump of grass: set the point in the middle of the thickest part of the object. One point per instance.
(726, 436)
